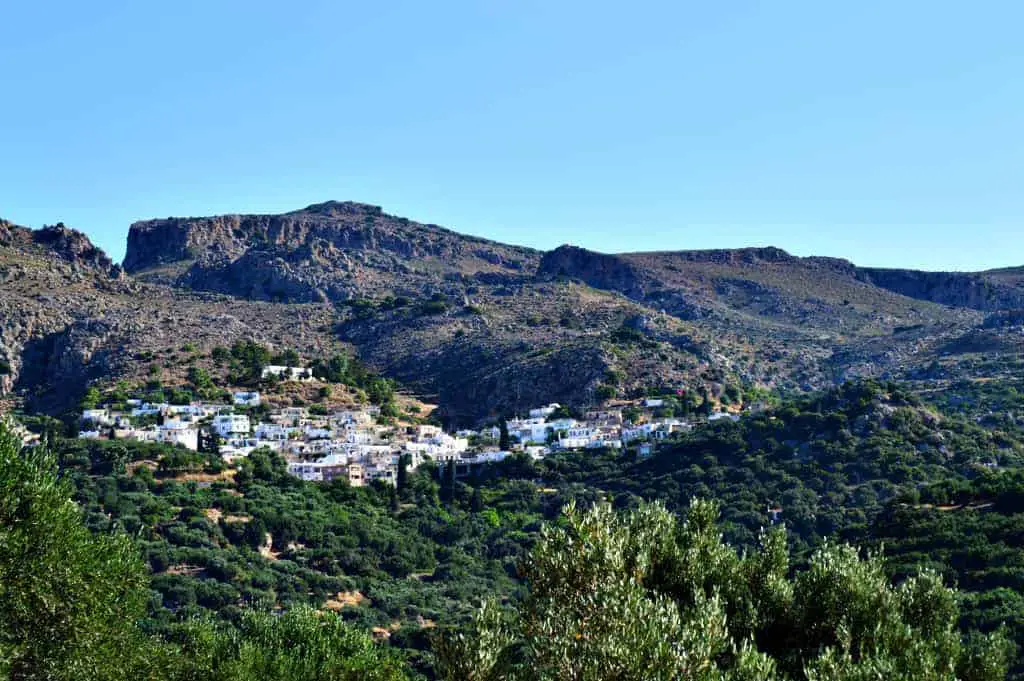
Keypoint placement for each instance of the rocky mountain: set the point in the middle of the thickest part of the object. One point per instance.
(742, 276)
(483, 327)
(329, 251)
(69, 317)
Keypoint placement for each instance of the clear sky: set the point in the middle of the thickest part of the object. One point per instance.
(889, 132)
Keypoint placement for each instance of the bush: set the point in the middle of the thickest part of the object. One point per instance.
(432, 307)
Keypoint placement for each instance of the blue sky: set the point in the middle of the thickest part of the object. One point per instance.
(890, 133)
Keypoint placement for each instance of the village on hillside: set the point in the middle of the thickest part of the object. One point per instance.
(357, 445)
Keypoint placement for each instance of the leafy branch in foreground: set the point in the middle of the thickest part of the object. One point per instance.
(69, 599)
(643, 596)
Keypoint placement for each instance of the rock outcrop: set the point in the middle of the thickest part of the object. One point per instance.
(608, 272)
(69, 245)
(977, 291)
(329, 251)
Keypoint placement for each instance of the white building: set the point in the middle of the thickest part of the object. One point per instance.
(312, 433)
(426, 431)
(229, 425)
(246, 399)
(544, 412)
(358, 437)
(178, 433)
(288, 373)
(149, 409)
(576, 437)
(194, 410)
(101, 417)
(311, 471)
(664, 429)
(602, 441)
(528, 430)
(352, 417)
(271, 432)
(637, 433)
(561, 424)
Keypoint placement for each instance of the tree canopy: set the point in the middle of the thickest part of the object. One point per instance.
(69, 598)
(643, 596)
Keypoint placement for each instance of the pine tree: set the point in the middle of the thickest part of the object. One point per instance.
(476, 503)
(504, 442)
(402, 479)
(449, 481)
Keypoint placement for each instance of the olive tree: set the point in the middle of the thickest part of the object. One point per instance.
(69, 599)
(645, 596)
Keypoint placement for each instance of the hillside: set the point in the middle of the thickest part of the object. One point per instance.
(482, 327)
(843, 463)
(69, 318)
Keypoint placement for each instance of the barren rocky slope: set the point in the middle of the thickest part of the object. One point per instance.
(69, 317)
(483, 327)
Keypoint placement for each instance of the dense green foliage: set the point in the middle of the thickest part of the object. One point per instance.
(71, 602)
(973, 534)
(68, 597)
(866, 463)
(642, 597)
(828, 463)
(299, 645)
(222, 545)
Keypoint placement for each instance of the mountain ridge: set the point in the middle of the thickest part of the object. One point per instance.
(217, 251)
(488, 327)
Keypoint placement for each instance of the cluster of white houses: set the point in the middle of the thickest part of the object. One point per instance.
(352, 445)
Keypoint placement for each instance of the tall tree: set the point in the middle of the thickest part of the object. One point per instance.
(706, 407)
(450, 480)
(402, 477)
(476, 503)
(504, 441)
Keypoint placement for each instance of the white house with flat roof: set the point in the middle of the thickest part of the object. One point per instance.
(229, 425)
(178, 433)
(288, 373)
(246, 399)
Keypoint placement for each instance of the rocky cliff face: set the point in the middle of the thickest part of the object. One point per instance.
(38, 269)
(328, 251)
(976, 291)
(608, 272)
